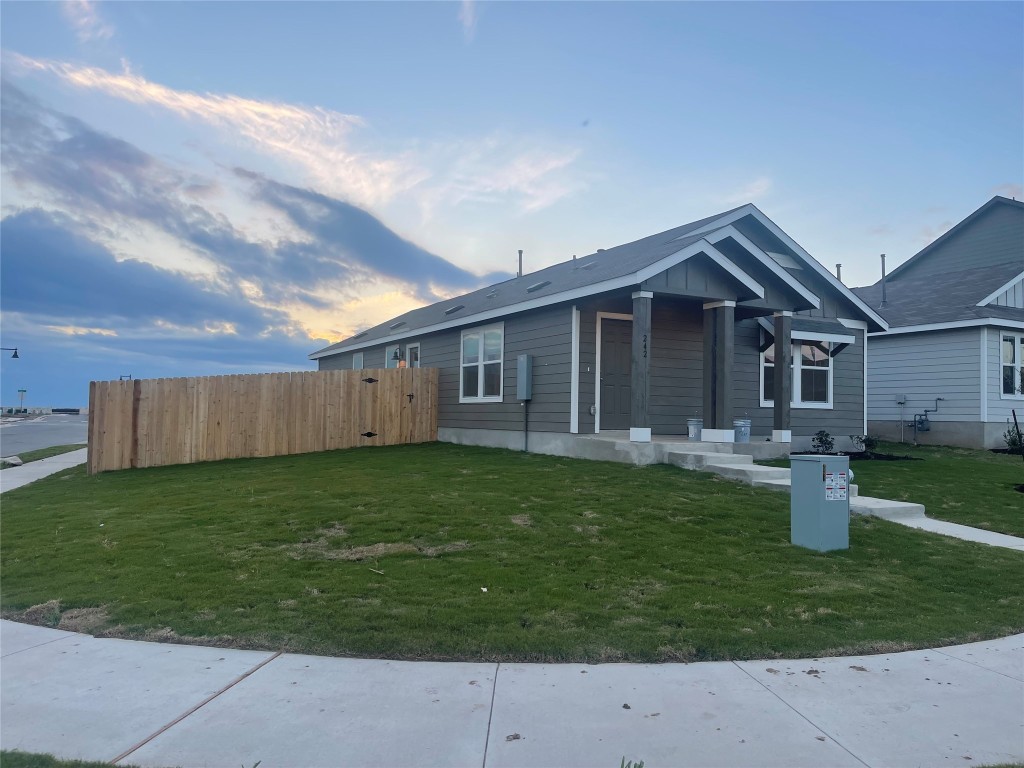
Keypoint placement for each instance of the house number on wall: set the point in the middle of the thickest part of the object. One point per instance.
(645, 345)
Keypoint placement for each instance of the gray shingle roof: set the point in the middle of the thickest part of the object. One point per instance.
(566, 276)
(951, 299)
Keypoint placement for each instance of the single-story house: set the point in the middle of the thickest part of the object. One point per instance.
(955, 343)
(720, 319)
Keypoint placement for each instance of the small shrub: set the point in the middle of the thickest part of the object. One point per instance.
(1013, 442)
(822, 442)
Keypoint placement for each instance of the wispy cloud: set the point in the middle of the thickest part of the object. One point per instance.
(508, 171)
(467, 16)
(85, 18)
(750, 192)
(313, 138)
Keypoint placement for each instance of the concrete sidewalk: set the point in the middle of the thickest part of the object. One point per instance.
(15, 477)
(172, 705)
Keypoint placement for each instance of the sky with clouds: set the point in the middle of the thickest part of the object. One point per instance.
(203, 188)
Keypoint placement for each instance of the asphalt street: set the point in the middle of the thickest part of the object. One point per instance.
(17, 436)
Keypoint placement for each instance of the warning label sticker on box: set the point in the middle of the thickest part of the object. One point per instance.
(835, 486)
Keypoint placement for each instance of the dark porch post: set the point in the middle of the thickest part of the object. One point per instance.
(719, 333)
(640, 369)
(782, 377)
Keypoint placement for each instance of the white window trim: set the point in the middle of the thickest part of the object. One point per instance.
(796, 403)
(357, 357)
(481, 329)
(389, 356)
(1018, 339)
(419, 353)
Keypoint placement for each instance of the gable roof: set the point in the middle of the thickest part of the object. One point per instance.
(952, 299)
(621, 266)
(929, 298)
(955, 230)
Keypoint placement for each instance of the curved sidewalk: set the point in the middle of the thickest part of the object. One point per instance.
(155, 704)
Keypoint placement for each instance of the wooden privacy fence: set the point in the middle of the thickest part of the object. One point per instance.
(154, 422)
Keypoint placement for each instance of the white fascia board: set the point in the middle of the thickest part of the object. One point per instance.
(981, 321)
(730, 266)
(813, 263)
(730, 231)
(1001, 289)
(801, 335)
(624, 281)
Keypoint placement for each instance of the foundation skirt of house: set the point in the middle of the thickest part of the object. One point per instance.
(607, 446)
(963, 434)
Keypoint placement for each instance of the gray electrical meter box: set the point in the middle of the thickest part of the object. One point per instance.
(819, 507)
(524, 377)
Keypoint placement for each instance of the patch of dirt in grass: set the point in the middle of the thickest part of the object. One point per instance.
(455, 546)
(371, 551)
(86, 620)
(522, 520)
(43, 615)
(320, 549)
(49, 614)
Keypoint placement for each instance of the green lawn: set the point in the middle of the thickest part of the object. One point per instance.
(17, 759)
(960, 485)
(449, 552)
(42, 453)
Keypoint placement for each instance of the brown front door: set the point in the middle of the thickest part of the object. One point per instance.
(616, 345)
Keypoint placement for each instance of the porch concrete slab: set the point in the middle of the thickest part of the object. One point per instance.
(916, 708)
(16, 477)
(16, 637)
(313, 711)
(1004, 655)
(92, 699)
(708, 714)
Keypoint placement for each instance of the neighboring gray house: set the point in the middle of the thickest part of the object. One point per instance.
(641, 337)
(956, 332)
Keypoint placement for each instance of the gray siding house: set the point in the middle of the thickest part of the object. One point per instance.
(723, 318)
(955, 342)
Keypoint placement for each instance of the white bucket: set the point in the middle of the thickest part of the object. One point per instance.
(742, 429)
(693, 428)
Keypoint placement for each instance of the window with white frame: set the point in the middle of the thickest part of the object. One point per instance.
(391, 356)
(481, 369)
(412, 355)
(811, 367)
(1012, 364)
(357, 361)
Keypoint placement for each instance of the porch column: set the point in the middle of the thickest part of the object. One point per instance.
(782, 378)
(719, 333)
(640, 369)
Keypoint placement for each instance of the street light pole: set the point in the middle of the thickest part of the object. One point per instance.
(11, 349)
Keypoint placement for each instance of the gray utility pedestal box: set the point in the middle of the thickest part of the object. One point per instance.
(819, 507)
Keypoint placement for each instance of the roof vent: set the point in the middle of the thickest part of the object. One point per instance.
(395, 326)
(591, 265)
(492, 294)
(453, 310)
(538, 286)
(360, 335)
(600, 250)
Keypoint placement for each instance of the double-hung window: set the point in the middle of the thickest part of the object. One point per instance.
(481, 369)
(391, 356)
(357, 361)
(811, 373)
(1012, 364)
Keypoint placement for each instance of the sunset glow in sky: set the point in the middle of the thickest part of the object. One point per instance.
(202, 188)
